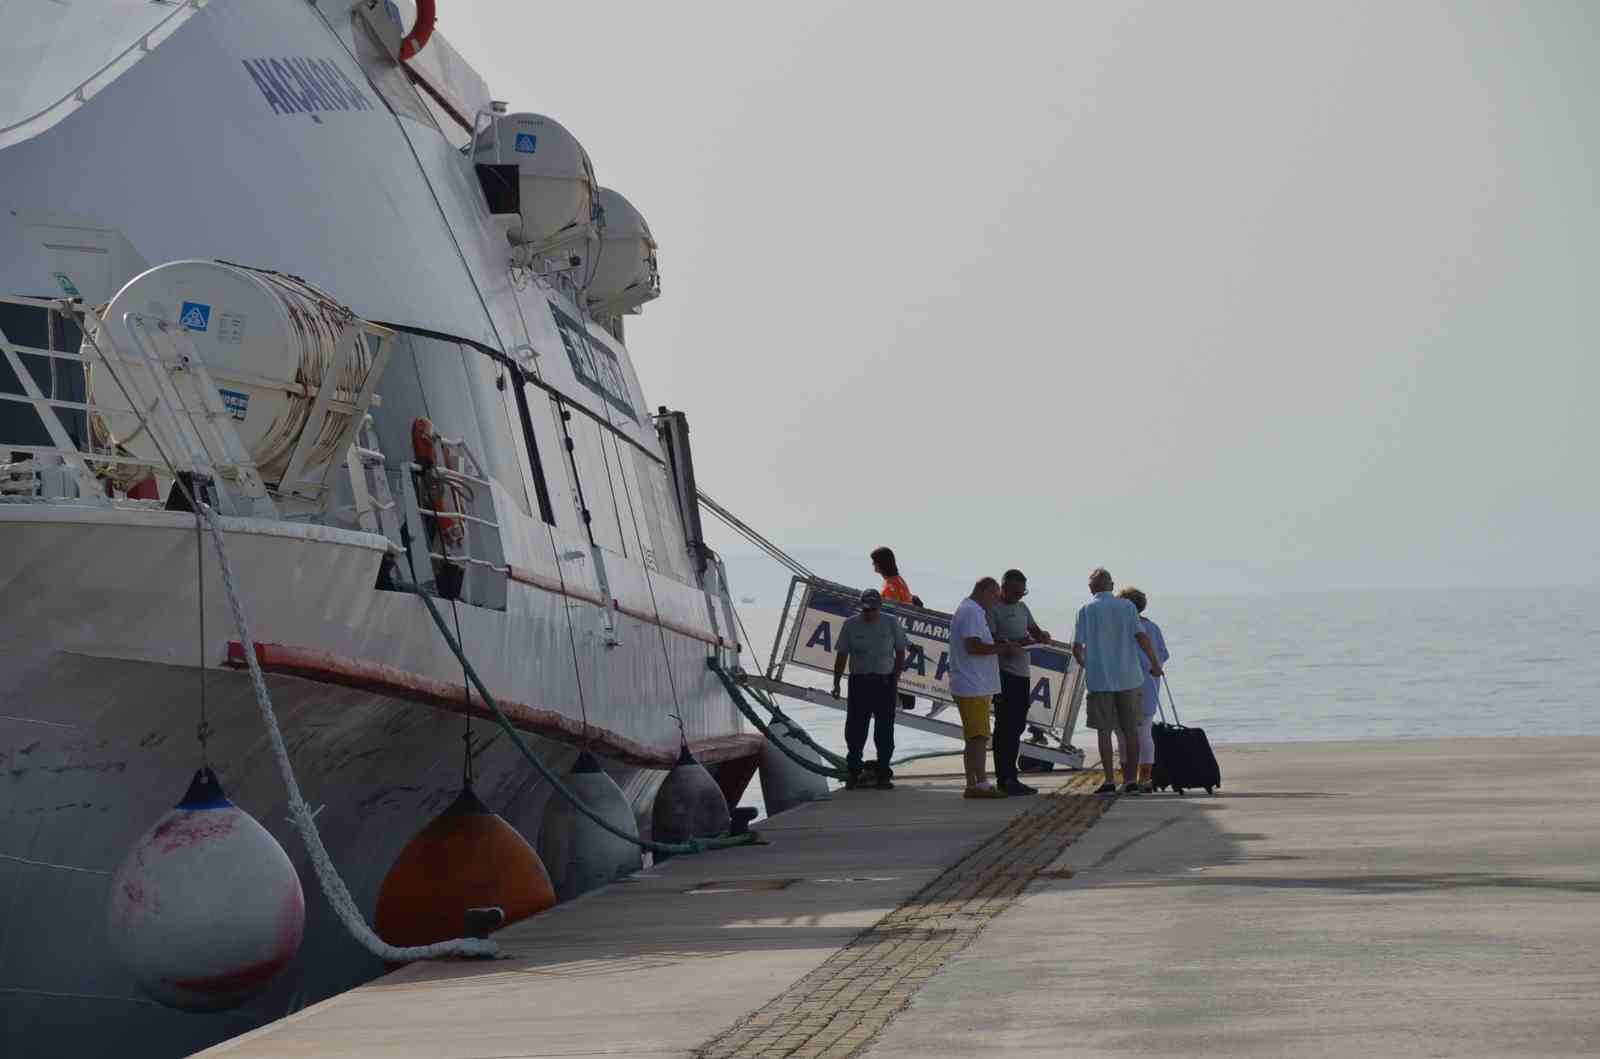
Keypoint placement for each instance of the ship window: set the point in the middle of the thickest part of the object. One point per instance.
(535, 464)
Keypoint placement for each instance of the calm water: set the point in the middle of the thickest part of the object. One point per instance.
(1350, 665)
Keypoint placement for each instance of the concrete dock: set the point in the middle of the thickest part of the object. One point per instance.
(1399, 899)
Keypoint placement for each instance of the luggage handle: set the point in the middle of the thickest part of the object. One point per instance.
(1170, 701)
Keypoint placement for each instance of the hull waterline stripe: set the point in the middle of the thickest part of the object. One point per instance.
(378, 677)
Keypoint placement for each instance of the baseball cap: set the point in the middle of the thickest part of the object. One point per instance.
(871, 600)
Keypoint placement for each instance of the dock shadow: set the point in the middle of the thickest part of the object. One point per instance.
(837, 874)
(1181, 838)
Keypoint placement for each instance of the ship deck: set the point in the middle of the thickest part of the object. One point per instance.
(1398, 899)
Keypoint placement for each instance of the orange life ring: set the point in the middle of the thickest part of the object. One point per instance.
(421, 30)
(440, 496)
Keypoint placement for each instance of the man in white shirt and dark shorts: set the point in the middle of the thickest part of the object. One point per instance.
(975, 679)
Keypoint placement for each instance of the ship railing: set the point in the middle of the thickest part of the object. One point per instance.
(68, 451)
(57, 460)
(463, 477)
(372, 501)
(813, 613)
(85, 90)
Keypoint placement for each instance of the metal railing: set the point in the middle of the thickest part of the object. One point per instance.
(171, 404)
(87, 88)
(464, 487)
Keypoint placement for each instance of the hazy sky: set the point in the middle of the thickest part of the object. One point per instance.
(1220, 295)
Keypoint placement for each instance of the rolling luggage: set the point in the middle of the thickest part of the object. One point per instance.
(1183, 755)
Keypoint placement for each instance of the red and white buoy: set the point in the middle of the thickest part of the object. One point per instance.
(207, 908)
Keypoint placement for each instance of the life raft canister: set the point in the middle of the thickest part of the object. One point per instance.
(438, 494)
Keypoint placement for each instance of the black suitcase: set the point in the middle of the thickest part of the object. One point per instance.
(1183, 755)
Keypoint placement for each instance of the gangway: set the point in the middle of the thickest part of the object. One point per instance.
(815, 609)
(1063, 755)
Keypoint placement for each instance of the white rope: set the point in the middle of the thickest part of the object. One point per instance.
(300, 814)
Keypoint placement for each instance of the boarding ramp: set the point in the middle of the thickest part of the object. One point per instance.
(814, 610)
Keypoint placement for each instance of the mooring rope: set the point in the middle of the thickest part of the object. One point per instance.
(693, 845)
(300, 814)
(736, 693)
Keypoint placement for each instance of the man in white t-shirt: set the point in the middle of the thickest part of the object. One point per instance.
(975, 679)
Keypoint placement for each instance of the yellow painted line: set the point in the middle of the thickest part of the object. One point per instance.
(835, 1010)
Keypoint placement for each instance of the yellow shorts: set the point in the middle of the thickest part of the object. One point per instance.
(974, 715)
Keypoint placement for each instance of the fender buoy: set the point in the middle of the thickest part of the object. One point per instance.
(785, 783)
(689, 804)
(440, 496)
(206, 909)
(467, 858)
(585, 855)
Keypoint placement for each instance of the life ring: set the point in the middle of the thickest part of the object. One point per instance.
(421, 30)
(439, 496)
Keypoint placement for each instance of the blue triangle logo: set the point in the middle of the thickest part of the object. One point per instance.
(195, 316)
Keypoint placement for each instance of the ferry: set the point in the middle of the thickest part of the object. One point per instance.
(287, 278)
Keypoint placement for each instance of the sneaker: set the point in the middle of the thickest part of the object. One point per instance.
(1147, 788)
(1017, 789)
(853, 782)
(1132, 788)
(1106, 788)
(885, 783)
(984, 790)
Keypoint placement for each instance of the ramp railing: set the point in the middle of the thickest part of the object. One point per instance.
(808, 630)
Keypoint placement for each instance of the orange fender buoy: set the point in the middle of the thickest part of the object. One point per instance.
(467, 858)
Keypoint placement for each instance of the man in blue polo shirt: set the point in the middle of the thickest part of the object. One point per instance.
(1106, 641)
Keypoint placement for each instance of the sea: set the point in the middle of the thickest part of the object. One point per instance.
(1324, 666)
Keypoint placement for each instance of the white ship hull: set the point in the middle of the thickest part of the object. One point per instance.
(99, 710)
(281, 136)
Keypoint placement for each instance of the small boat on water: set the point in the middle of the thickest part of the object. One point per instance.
(296, 258)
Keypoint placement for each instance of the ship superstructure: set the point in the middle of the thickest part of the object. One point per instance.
(377, 320)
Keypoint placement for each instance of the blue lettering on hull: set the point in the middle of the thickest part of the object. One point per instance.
(306, 85)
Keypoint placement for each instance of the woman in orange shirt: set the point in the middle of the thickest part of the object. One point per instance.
(895, 589)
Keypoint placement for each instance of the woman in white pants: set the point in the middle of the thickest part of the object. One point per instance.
(1150, 700)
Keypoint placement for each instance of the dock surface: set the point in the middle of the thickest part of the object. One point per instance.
(1396, 899)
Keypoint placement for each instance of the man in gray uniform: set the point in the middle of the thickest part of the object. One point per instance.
(1011, 620)
(874, 644)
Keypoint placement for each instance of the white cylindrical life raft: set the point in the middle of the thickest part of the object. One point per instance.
(269, 341)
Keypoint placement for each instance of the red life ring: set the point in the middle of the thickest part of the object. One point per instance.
(439, 496)
(421, 30)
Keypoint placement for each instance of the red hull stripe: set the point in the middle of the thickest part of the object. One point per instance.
(325, 667)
